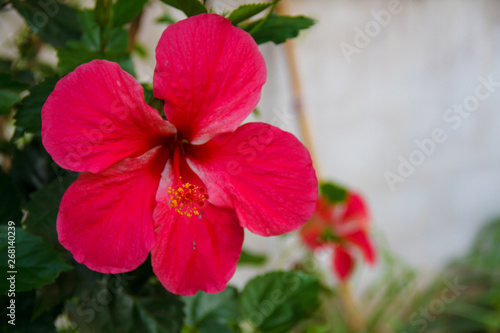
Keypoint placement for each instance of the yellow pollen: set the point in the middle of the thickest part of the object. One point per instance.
(187, 199)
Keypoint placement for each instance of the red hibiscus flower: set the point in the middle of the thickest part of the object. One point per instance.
(342, 226)
(182, 189)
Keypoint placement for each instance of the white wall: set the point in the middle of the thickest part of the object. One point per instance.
(368, 111)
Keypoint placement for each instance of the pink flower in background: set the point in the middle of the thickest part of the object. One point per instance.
(343, 227)
(182, 189)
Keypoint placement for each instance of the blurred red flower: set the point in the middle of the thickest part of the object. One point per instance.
(343, 226)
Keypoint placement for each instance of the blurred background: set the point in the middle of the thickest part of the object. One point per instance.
(369, 100)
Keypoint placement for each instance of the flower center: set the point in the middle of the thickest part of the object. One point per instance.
(328, 236)
(187, 199)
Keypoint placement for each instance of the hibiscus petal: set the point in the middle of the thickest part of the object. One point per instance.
(210, 75)
(266, 174)
(106, 220)
(194, 253)
(324, 210)
(96, 116)
(356, 209)
(343, 263)
(312, 231)
(363, 242)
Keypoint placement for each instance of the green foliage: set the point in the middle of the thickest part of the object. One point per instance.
(35, 261)
(213, 313)
(474, 283)
(29, 114)
(10, 209)
(9, 92)
(486, 246)
(25, 305)
(140, 51)
(124, 11)
(43, 207)
(277, 28)
(32, 167)
(249, 258)
(277, 301)
(165, 18)
(246, 11)
(97, 42)
(463, 297)
(54, 22)
(111, 306)
(334, 193)
(75, 54)
(391, 298)
(20, 74)
(102, 12)
(189, 7)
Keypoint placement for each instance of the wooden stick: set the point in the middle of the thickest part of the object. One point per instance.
(355, 319)
(304, 124)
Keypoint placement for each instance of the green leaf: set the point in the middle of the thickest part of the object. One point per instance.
(91, 36)
(277, 301)
(117, 44)
(47, 297)
(110, 44)
(156, 315)
(277, 28)
(7, 99)
(43, 208)
(246, 11)
(7, 81)
(116, 310)
(189, 7)
(166, 18)
(140, 50)
(212, 313)
(124, 11)
(148, 91)
(10, 209)
(24, 321)
(102, 12)
(319, 329)
(75, 54)
(487, 240)
(32, 167)
(10, 89)
(334, 193)
(22, 75)
(249, 258)
(157, 310)
(5, 65)
(53, 21)
(29, 114)
(46, 69)
(36, 263)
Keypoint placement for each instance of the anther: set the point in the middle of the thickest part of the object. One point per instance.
(187, 199)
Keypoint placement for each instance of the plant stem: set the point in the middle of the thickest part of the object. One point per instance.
(354, 318)
(5, 157)
(133, 31)
(264, 20)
